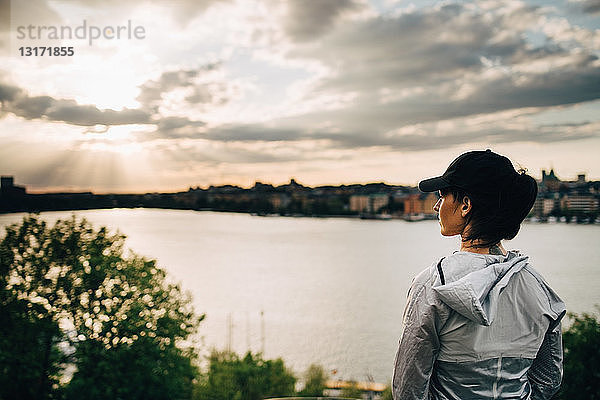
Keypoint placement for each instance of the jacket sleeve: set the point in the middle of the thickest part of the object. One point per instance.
(419, 342)
(545, 374)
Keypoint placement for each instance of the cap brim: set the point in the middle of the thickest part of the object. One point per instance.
(433, 184)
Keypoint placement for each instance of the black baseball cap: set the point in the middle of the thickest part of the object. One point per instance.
(479, 173)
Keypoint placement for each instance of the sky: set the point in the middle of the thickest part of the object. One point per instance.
(209, 92)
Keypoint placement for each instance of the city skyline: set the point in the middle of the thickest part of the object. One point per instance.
(328, 93)
(291, 180)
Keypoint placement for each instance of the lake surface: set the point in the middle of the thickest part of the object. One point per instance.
(331, 290)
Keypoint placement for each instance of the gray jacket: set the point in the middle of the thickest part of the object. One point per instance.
(480, 326)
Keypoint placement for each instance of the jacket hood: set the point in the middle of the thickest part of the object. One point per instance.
(473, 282)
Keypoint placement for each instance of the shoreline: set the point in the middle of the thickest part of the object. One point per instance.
(372, 217)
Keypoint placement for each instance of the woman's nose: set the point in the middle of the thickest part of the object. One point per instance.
(436, 206)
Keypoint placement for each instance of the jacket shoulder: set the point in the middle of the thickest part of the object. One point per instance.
(429, 277)
(553, 305)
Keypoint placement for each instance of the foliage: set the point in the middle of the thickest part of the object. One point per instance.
(387, 393)
(115, 315)
(314, 381)
(581, 359)
(352, 391)
(230, 377)
(27, 374)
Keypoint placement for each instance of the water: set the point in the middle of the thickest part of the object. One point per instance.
(331, 290)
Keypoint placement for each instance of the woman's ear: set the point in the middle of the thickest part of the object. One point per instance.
(465, 207)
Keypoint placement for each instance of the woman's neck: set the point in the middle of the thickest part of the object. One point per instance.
(496, 249)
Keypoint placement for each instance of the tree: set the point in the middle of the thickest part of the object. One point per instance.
(314, 381)
(30, 358)
(581, 359)
(230, 377)
(114, 315)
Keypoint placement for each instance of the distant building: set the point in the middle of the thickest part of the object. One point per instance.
(576, 203)
(550, 181)
(378, 201)
(546, 204)
(359, 203)
(294, 187)
(429, 200)
(549, 205)
(280, 201)
(9, 189)
(412, 204)
(420, 203)
(371, 203)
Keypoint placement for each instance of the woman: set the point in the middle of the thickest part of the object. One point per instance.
(480, 323)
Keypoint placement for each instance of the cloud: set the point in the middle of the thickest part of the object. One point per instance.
(255, 133)
(305, 21)
(502, 127)
(410, 48)
(587, 6)
(15, 100)
(395, 81)
(151, 92)
(87, 115)
(4, 15)
(215, 153)
(8, 92)
(25, 12)
(444, 62)
(199, 87)
(183, 11)
(169, 124)
(174, 128)
(425, 45)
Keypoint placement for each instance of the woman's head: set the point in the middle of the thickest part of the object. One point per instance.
(483, 198)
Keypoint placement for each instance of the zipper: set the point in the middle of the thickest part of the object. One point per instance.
(498, 371)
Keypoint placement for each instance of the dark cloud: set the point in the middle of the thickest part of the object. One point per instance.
(427, 136)
(18, 102)
(182, 127)
(306, 21)
(174, 128)
(32, 107)
(170, 124)
(86, 115)
(8, 92)
(422, 46)
(559, 86)
(4, 15)
(441, 63)
(588, 6)
(497, 133)
(255, 133)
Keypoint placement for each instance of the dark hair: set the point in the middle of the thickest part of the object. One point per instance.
(498, 217)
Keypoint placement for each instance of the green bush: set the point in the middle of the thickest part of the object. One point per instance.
(387, 393)
(314, 381)
(230, 377)
(581, 343)
(352, 391)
